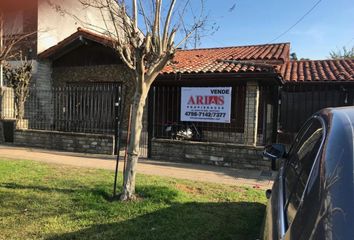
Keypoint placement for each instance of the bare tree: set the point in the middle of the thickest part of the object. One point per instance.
(9, 38)
(144, 52)
(202, 25)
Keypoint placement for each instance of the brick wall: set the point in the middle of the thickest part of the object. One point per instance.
(73, 142)
(220, 154)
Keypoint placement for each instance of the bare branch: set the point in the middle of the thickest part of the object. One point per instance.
(135, 15)
(146, 20)
(10, 42)
(156, 27)
(167, 24)
(185, 38)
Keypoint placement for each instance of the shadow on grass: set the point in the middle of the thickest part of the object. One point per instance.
(238, 220)
(16, 186)
(94, 191)
(159, 215)
(152, 193)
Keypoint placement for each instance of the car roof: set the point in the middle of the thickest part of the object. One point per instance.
(343, 114)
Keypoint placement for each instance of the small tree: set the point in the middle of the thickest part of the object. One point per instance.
(293, 56)
(19, 78)
(145, 53)
(342, 53)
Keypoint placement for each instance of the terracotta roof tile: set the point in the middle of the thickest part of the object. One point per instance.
(210, 60)
(320, 70)
(254, 58)
(104, 40)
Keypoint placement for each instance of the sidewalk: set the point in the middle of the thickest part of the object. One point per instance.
(196, 172)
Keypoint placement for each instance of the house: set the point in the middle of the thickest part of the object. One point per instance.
(304, 88)
(249, 71)
(51, 22)
(231, 95)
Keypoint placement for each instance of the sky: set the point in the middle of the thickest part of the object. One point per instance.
(245, 22)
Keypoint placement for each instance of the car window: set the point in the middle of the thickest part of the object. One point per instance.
(298, 166)
(299, 136)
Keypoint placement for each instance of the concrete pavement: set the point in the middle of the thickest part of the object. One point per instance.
(196, 172)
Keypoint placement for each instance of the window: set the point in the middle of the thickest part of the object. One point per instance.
(299, 165)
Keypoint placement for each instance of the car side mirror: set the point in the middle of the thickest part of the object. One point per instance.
(274, 152)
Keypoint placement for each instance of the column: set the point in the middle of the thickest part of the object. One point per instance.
(251, 113)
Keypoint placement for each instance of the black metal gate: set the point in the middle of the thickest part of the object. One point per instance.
(300, 101)
(86, 108)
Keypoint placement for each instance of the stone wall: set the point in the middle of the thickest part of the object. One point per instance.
(40, 102)
(73, 142)
(251, 114)
(220, 154)
(90, 74)
(232, 137)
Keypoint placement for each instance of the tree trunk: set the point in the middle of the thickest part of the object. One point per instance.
(20, 108)
(133, 148)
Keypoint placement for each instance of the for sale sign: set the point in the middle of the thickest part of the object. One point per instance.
(206, 104)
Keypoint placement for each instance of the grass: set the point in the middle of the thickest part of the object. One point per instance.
(42, 201)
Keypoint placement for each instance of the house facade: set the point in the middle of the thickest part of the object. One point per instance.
(50, 22)
(240, 98)
(56, 23)
(249, 72)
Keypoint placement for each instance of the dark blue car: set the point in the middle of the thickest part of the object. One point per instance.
(313, 195)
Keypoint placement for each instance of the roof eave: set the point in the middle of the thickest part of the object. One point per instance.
(80, 37)
(246, 76)
(319, 82)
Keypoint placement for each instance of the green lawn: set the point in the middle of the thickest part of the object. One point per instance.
(42, 201)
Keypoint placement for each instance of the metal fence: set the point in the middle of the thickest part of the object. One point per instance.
(166, 114)
(80, 109)
(299, 102)
(86, 109)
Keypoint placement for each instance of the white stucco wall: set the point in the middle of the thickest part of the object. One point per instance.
(54, 26)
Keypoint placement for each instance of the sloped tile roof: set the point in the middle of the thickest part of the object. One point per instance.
(318, 71)
(99, 38)
(253, 58)
(228, 59)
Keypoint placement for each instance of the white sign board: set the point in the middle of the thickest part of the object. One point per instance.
(206, 104)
